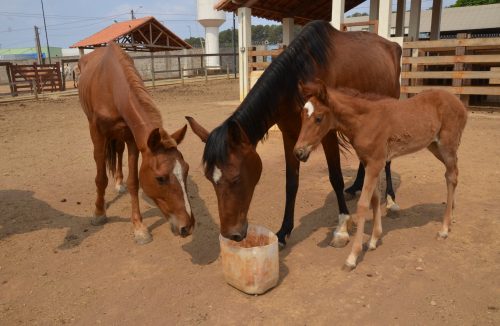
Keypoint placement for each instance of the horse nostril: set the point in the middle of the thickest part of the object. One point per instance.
(236, 237)
(299, 152)
(184, 232)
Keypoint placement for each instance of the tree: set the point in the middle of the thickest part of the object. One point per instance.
(467, 3)
(195, 42)
(358, 14)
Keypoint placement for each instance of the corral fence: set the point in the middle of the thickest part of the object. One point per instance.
(467, 67)
(15, 80)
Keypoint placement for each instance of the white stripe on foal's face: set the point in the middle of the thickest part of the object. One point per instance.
(178, 174)
(310, 108)
(216, 175)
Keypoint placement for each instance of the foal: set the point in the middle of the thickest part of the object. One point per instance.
(380, 129)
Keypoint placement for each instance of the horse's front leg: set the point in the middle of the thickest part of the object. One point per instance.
(331, 147)
(119, 186)
(141, 233)
(292, 184)
(372, 172)
(101, 179)
(389, 193)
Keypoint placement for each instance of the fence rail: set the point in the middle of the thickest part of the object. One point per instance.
(463, 66)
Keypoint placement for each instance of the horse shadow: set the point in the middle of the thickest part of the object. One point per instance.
(21, 212)
(204, 245)
(326, 217)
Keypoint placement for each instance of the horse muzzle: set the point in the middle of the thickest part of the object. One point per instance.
(302, 153)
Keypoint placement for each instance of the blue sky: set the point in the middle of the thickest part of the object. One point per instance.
(71, 21)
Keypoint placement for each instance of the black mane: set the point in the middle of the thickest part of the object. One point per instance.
(278, 85)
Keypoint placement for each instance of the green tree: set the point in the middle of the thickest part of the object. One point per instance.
(467, 3)
(195, 42)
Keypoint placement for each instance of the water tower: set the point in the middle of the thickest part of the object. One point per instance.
(211, 20)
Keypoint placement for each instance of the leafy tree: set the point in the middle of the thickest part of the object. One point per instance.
(358, 14)
(195, 42)
(467, 3)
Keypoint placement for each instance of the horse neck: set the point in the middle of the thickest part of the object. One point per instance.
(348, 111)
(141, 118)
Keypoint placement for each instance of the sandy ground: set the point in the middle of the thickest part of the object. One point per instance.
(55, 268)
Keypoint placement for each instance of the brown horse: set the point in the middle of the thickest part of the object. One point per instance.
(359, 60)
(380, 130)
(120, 111)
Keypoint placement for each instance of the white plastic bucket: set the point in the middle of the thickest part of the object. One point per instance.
(252, 265)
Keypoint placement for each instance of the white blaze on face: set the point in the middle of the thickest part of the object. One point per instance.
(178, 174)
(310, 108)
(216, 175)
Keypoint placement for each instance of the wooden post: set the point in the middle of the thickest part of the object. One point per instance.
(9, 77)
(33, 86)
(288, 35)
(384, 21)
(244, 43)
(400, 18)
(227, 70)
(338, 9)
(152, 68)
(461, 50)
(437, 5)
(206, 75)
(181, 71)
(374, 13)
(414, 28)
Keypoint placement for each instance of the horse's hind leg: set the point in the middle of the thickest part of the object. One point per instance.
(101, 179)
(141, 233)
(449, 159)
(119, 186)
(389, 193)
(332, 153)
(358, 182)
(377, 220)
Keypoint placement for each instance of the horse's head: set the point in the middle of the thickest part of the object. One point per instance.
(316, 119)
(233, 167)
(163, 176)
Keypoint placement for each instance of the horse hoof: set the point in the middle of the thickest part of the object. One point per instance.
(391, 205)
(348, 266)
(442, 235)
(372, 245)
(340, 240)
(99, 220)
(142, 237)
(281, 245)
(120, 188)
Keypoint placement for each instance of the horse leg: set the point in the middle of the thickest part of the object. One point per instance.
(119, 186)
(369, 184)
(292, 184)
(331, 147)
(101, 179)
(141, 233)
(389, 193)
(377, 220)
(358, 182)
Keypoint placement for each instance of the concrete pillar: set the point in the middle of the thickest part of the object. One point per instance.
(288, 35)
(338, 8)
(384, 18)
(414, 28)
(81, 52)
(244, 43)
(374, 11)
(400, 18)
(437, 6)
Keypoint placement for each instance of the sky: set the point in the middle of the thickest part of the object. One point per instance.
(69, 21)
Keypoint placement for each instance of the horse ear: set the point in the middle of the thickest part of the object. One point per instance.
(321, 91)
(198, 129)
(178, 136)
(237, 135)
(154, 140)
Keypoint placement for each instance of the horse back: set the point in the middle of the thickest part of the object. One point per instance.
(365, 62)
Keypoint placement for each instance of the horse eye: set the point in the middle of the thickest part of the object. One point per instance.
(318, 119)
(162, 180)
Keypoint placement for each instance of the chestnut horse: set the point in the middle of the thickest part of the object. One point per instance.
(359, 60)
(120, 111)
(380, 130)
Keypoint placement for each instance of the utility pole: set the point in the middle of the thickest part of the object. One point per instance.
(46, 37)
(132, 14)
(38, 46)
(234, 44)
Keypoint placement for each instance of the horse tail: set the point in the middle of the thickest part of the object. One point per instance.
(111, 155)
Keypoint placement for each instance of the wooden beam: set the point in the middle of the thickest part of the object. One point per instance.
(451, 74)
(440, 60)
(470, 90)
(470, 42)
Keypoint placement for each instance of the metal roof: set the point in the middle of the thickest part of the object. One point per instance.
(302, 11)
(452, 19)
(143, 34)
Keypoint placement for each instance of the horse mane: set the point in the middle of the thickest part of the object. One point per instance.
(278, 85)
(135, 83)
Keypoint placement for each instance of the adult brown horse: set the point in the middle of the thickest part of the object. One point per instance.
(359, 60)
(120, 110)
(380, 129)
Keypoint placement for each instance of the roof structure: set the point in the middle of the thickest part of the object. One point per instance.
(302, 11)
(143, 34)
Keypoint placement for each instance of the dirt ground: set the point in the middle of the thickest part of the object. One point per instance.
(55, 268)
